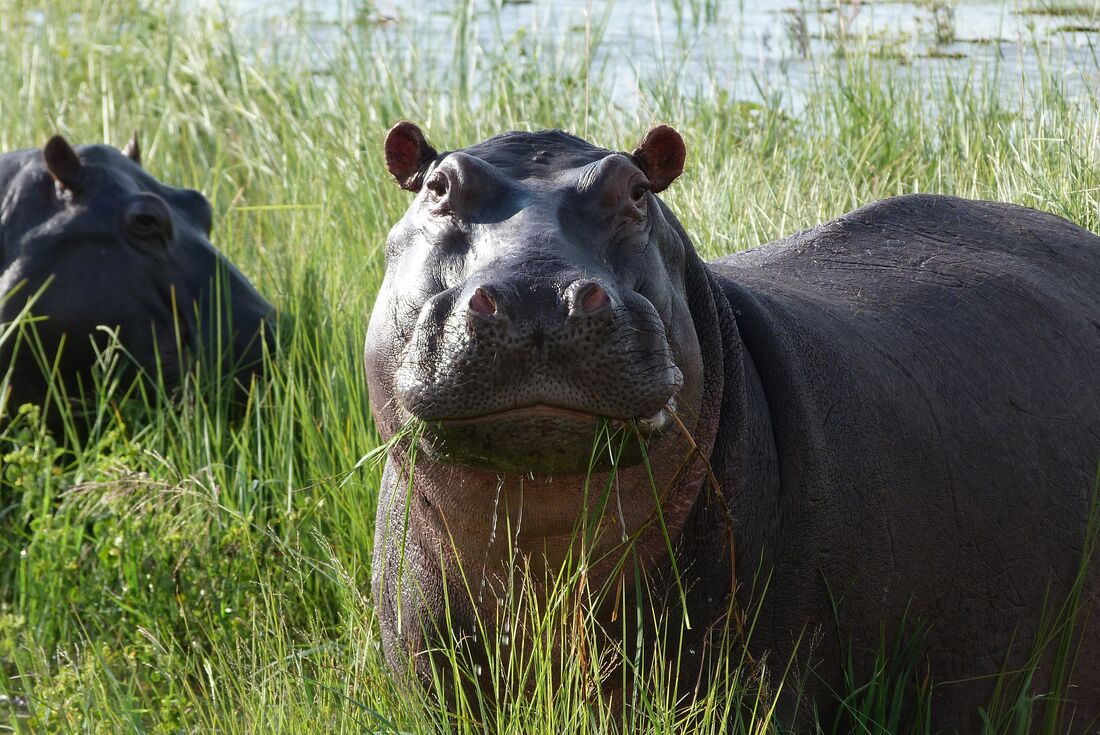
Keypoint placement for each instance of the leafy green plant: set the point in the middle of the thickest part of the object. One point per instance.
(190, 566)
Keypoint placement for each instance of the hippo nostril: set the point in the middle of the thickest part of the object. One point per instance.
(590, 299)
(482, 303)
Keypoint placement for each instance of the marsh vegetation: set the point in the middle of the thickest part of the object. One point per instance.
(192, 566)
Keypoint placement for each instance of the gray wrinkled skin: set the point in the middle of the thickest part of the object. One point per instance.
(902, 408)
(119, 250)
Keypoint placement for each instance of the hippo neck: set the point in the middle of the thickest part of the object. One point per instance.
(744, 462)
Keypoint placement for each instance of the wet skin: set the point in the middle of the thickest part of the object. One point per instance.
(94, 244)
(898, 411)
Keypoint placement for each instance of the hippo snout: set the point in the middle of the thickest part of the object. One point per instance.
(525, 360)
(508, 344)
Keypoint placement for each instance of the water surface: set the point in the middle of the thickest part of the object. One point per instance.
(749, 50)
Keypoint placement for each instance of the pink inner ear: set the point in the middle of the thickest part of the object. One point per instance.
(661, 155)
(670, 152)
(662, 152)
(406, 151)
(402, 155)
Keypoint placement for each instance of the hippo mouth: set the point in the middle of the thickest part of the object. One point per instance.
(543, 410)
(533, 411)
(543, 439)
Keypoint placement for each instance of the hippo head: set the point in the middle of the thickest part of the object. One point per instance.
(92, 246)
(534, 288)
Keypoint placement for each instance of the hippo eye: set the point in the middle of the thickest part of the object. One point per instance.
(144, 224)
(437, 185)
(149, 220)
(638, 193)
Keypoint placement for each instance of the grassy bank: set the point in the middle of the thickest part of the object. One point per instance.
(201, 571)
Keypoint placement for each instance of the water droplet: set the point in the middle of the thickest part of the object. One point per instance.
(496, 504)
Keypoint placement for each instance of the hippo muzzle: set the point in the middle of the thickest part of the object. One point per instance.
(520, 372)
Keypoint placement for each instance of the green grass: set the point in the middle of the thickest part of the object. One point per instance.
(192, 568)
(1060, 8)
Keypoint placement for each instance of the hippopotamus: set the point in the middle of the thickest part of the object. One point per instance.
(93, 248)
(888, 420)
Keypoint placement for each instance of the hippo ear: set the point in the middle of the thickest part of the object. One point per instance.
(132, 149)
(407, 153)
(661, 155)
(62, 162)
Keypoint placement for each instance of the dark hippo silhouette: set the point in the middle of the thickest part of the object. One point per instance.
(901, 408)
(91, 243)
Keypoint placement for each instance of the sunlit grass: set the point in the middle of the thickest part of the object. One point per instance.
(197, 566)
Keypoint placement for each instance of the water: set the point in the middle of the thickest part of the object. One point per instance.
(748, 50)
(492, 540)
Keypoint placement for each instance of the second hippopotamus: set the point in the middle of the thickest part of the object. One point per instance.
(93, 249)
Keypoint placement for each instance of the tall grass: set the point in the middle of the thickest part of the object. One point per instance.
(200, 569)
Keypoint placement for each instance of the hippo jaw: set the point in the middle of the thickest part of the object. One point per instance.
(533, 319)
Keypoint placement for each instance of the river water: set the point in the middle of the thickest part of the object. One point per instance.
(746, 49)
